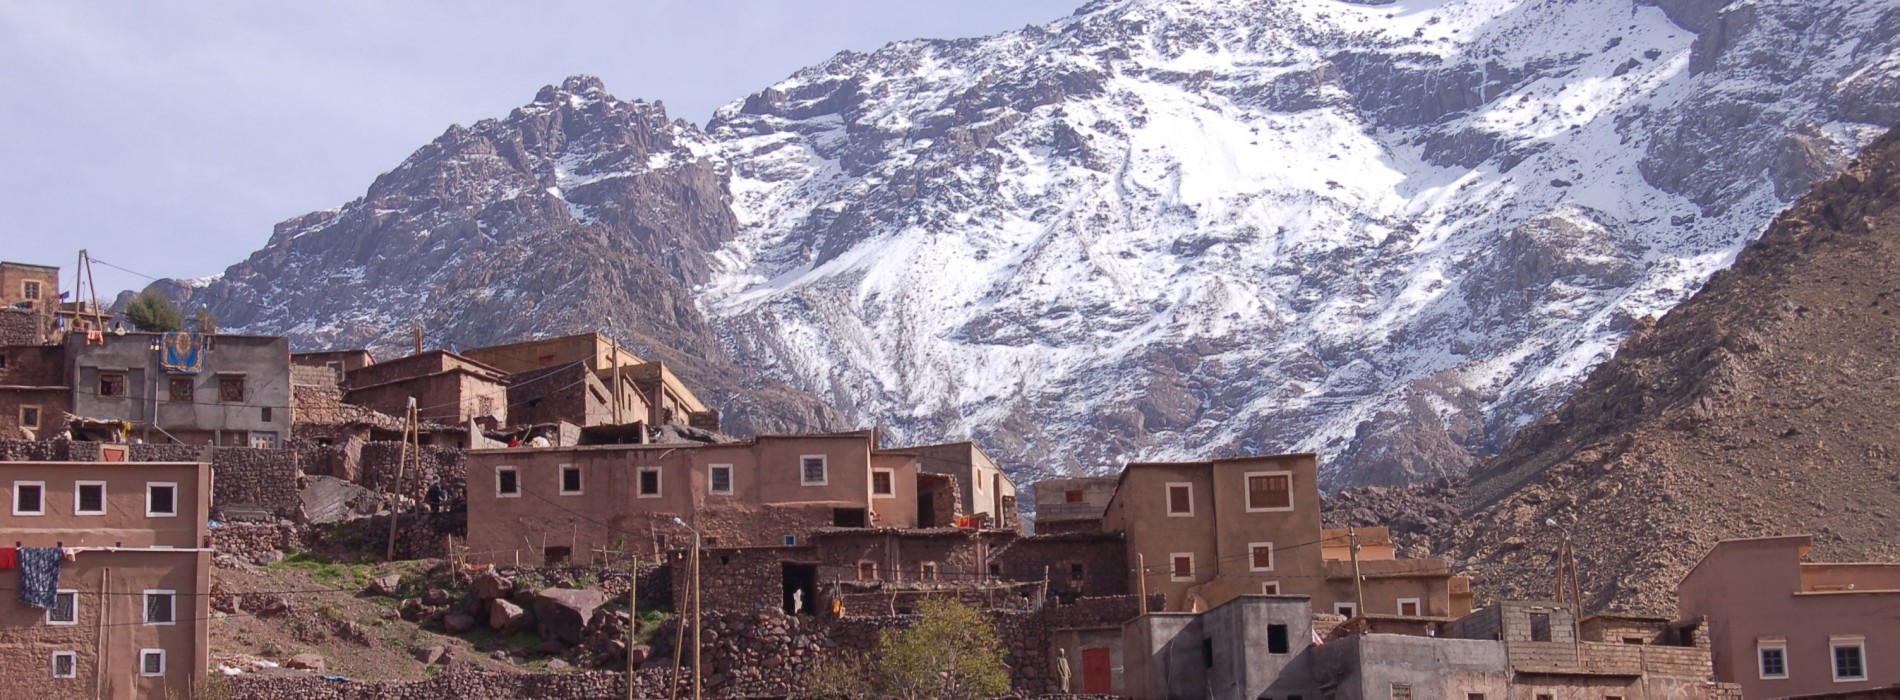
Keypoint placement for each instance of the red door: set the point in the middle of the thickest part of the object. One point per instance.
(1095, 678)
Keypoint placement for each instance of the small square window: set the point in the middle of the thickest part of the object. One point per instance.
(882, 483)
(929, 571)
(1077, 571)
(791, 540)
(1181, 567)
(649, 482)
(1774, 661)
(112, 384)
(65, 610)
(30, 290)
(264, 439)
(996, 569)
(65, 664)
(1401, 691)
(266, 415)
(867, 571)
(812, 470)
(1270, 588)
(29, 416)
(231, 389)
(1072, 496)
(179, 389)
(1347, 609)
(507, 482)
(161, 500)
(1278, 640)
(1260, 556)
(1180, 500)
(1409, 607)
(720, 481)
(160, 607)
(29, 498)
(1850, 660)
(570, 480)
(151, 662)
(89, 498)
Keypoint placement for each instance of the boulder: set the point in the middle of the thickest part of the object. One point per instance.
(558, 665)
(508, 617)
(565, 612)
(412, 609)
(491, 585)
(436, 596)
(308, 662)
(385, 585)
(458, 623)
(430, 655)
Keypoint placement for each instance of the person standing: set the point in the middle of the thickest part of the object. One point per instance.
(434, 496)
(1062, 669)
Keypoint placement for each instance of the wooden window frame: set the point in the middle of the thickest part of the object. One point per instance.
(1253, 549)
(890, 476)
(712, 483)
(1246, 485)
(824, 470)
(1174, 572)
(1168, 492)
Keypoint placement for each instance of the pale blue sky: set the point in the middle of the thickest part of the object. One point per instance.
(169, 137)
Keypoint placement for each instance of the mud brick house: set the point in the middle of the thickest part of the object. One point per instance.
(339, 362)
(986, 492)
(447, 388)
(130, 612)
(1209, 531)
(30, 286)
(238, 394)
(622, 389)
(554, 504)
(1072, 505)
(34, 395)
(1781, 626)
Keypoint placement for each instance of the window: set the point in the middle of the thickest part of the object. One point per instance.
(159, 607)
(1269, 491)
(996, 569)
(29, 416)
(1072, 496)
(929, 571)
(883, 484)
(791, 540)
(1409, 607)
(1540, 627)
(1850, 658)
(30, 290)
(1401, 691)
(161, 500)
(29, 498)
(649, 482)
(1634, 640)
(1277, 641)
(811, 470)
(570, 480)
(1544, 696)
(89, 498)
(266, 415)
(65, 610)
(1207, 652)
(263, 439)
(1270, 588)
(1773, 658)
(1180, 500)
(65, 664)
(507, 483)
(1181, 566)
(1261, 556)
(720, 480)
(1347, 609)
(179, 389)
(231, 388)
(1474, 696)
(867, 571)
(1077, 571)
(111, 383)
(151, 662)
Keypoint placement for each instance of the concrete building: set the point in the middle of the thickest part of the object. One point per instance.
(983, 488)
(552, 504)
(1072, 505)
(131, 614)
(446, 387)
(648, 392)
(34, 395)
(339, 362)
(1209, 531)
(1249, 646)
(1781, 626)
(239, 394)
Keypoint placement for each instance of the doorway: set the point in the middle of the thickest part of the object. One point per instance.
(800, 583)
(1096, 679)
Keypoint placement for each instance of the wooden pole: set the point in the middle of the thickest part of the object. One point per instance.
(1358, 584)
(402, 465)
(698, 600)
(679, 647)
(1141, 582)
(633, 616)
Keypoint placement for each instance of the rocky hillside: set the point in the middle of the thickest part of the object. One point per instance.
(1393, 233)
(1764, 405)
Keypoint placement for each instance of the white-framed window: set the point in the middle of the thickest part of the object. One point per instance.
(30, 290)
(1181, 566)
(507, 482)
(1269, 491)
(883, 483)
(1409, 607)
(570, 480)
(65, 610)
(1849, 653)
(719, 479)
(649, 482)
(1260, 556)
(1347, 609)
(89, 498)
(65, 664)
(151, 662)
(1771, 657)
(161, 499)
(1270, 588)
(929, 571)
(813, 470)
(161, 607)
(29, 498)
(1180, 499)
(264, 439)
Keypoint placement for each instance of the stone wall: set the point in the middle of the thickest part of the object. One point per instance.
(937, 497)
(447, 464)
(740, 579)
(22, 326)
(1079, 564)
(554, 686)
(249, 479)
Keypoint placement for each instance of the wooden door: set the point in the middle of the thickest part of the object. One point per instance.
(1095, 673)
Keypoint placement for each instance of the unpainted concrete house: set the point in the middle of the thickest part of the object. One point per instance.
(986, 492)
(238, 394)
(623, 389)
(447, 388)
(1781, 626)
(130, 612)
(1072, 505)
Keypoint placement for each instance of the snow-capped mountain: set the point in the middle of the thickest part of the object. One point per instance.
(1390, 232)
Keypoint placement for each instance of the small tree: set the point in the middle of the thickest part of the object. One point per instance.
(950, 652)
(205, 322)
(153, 313)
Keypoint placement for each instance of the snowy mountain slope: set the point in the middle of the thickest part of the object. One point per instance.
(1390, 233)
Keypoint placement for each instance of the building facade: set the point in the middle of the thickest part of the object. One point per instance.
(446, 387)
(1072, 505)
(130, 612)
(983, 488)
(237, 393)
(34, 396)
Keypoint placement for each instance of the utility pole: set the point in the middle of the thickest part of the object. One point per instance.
(633, 614)
(1358, 582)
(698, 599)
(402, 465)
(616, 345)
(418, 325)
(1141, 582)
(1560, 568)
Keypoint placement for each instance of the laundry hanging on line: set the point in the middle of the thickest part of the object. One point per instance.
(39, 576)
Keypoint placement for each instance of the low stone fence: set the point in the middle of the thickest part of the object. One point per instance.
(418, 536)
(555, 686)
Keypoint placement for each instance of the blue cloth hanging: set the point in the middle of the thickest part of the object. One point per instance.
(182, 352)
(39, 576)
